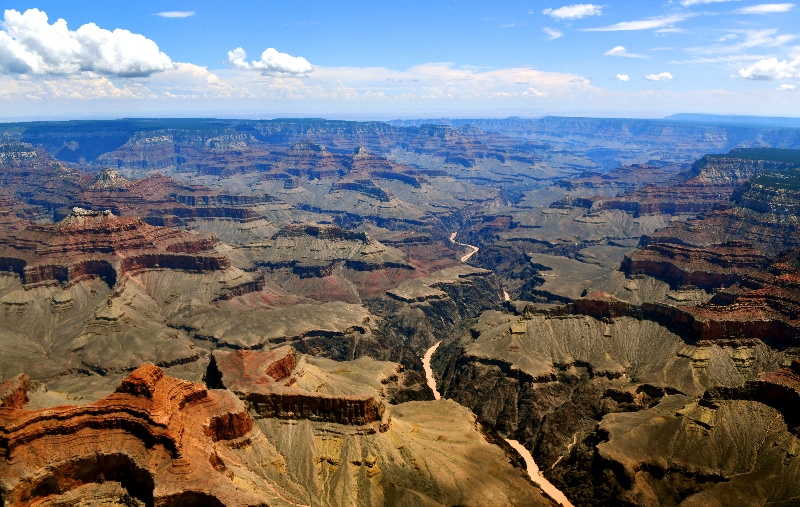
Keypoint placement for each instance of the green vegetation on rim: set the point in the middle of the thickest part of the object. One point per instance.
(770, 154)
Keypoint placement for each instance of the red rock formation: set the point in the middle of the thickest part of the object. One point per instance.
(156, 435)
(101, 244)
(710, 267)
(13, 394)
(266, 381)
(601, 305)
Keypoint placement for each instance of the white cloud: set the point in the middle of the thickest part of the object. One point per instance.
(722, 59)
(644, 24)
(728, 37)
(175, 14)
(552, 33)
(765, 9)
(30, 45)
(621, 51)
(687, 3)
(769, 69)
(622, 77)
(533, 92)
(664, 76)
(272, 63)
(786, 87)
(752, 38)
(576, 11)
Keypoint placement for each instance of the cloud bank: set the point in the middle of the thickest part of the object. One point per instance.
(30, 45)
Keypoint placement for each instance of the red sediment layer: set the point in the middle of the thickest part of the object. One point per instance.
(711, 267)
(767, 313)
(104, 245)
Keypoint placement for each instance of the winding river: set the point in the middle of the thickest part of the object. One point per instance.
(533, 469)
(466, 257)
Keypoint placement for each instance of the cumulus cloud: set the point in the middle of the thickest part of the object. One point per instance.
(621, 51)
(552, 33)
(576, 11)
(30, 45)
(786, 87)
(622, 77)
(175, 14)
(765, 9)
(272, 63)
(664, 76)
(644, 24)
(770, 68)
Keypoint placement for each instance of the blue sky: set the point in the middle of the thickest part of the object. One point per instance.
(400, 59)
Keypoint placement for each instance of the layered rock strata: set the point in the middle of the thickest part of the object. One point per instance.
(162, 440)
(89, 243)
(708, 267)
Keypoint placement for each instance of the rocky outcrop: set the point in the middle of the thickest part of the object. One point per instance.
(144, 151)
(776, 193)
(272, 385)
(695, 452)
(769, 313)
(14, 393)
(778, 389)
(365, 187)
(160, 439)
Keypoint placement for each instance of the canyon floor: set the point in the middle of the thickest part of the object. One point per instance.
(329, 313)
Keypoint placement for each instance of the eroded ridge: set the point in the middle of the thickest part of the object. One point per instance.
(159, 437)
(778, 389)
(92, 243)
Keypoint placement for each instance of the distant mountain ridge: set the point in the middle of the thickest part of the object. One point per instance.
(715, 119)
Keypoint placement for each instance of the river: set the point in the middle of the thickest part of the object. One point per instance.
(466, 257)
(533, 469)
(426, 365)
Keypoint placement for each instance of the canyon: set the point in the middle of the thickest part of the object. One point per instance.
(558, 311)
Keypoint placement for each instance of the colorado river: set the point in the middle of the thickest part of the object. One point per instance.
(533, 472)
(426, 365)
(533, 469)
(466, 257)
